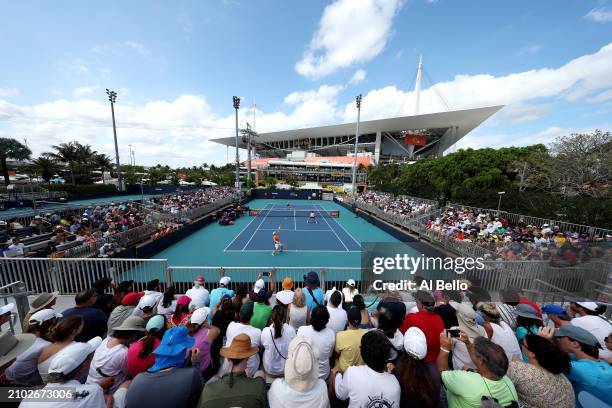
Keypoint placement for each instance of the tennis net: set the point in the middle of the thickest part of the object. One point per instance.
(294, 213)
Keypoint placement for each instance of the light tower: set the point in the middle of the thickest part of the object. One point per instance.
(112, 97)
(358, 102)
(236, 101)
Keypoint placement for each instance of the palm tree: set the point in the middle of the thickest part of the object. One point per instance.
(11, 149)
(103, 162)
(65, 153)
(44, 166)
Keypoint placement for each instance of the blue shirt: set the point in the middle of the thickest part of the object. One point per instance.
(594, 377)
(215, 297)
(318, 294)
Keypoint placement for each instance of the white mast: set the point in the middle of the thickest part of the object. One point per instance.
(417, 85)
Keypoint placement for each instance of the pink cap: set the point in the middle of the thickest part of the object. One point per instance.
(199, 278)
(183, 300)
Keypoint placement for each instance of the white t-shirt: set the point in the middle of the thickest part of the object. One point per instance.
(199, 296)
(504, 336)
(26, 363)
(368, 388)
(254, 334)
(111, 361)
(324, 341)
(337, 319)
(90, 396)
(273, 362)
(348, 294)
(598, 327)
(281, 395)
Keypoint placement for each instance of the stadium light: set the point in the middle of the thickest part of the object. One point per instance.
(500, 193)
(112, 97)
(236, 101)
(358, 102)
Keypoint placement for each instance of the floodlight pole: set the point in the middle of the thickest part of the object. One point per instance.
(358, 102)
(236, 101)
(112, 97)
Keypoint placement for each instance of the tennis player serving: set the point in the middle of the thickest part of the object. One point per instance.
(278, 246)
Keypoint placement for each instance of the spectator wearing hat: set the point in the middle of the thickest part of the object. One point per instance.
(275, 341)
(61, 335)
(527, 321)
(217, 294)
(24, 371)
(556, 314)
(11, 346)
(348, 341)
(65, 371)
(587, 372)
(337, 315)
(350, 290)
(285, 296)
(152, 295)
(261, 309)
(148, 307)
(169, 383)
(168, 303)
(94, 320)
(541, 381)
(124, 310)
(369, 384)
(244, 326)
(45, 300)
(428, 321)
(236, 388)
(297, 312)
(204, 335)
(586, 315)
(487, 382)
(180, 317)
(466, 316)
(312, 291)
(420, 382)
(110, 358)
(498, 331)
(322, 337)
(103, 299)
(199, 295)
(140, 353)
(301, 385)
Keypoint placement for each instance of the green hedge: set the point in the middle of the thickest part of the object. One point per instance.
(83, 189)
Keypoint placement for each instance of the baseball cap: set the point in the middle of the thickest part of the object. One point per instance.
(73, 355)
(132, 298)
(415, 343)
(199, 279)
(43, 315)
(259, 285)
(200, 315)
(148, 301)
(351, 283)
(156, 322)
(553, 309)
(525, 310)
(577, 334)
(183, 300)
(592, 306)
(225, 280)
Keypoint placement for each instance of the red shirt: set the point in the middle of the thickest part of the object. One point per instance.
(431, 324)
(136, 364)
(526, 301)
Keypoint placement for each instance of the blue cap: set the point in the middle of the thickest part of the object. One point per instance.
(175, 340)
(526, 311)
(554, 310)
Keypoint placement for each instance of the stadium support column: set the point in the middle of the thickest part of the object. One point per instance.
(358, 102)
(237, 181)
(377, 147)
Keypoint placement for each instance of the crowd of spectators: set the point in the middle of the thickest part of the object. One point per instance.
(519, 241)
(175, 204)
(299, 347)
(397, 205)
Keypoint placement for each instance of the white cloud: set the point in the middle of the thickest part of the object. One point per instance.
(349, 32)
(521, 113)
(398, 55)
(136, 46)
(83, 91)
(358, 76)
(324, 93)
(529, 50)
(121, 48)
(601, 97)
(9, 92)
(600, 15)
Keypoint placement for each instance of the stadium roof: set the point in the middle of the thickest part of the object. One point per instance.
(464, 120)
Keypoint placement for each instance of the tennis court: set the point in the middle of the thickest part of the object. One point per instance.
(298, 233)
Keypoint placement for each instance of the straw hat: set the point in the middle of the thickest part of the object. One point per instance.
(43, 300)
(132, 323)
(302, 365)
(13, 345)
(240, 348)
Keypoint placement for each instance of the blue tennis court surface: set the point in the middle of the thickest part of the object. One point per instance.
(297, 232)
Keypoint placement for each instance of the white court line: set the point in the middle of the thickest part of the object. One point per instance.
(240, 233)
(254, 232)
(335, 234)
(340, 225)
(290, 250)
(299, 230)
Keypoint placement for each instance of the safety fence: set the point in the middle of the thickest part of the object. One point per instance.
(396, 219)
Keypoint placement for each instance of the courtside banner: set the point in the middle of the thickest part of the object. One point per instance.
(391, 266)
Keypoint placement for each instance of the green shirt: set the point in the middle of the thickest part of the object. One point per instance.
(261, 314)
(246, 393)
(465, 389)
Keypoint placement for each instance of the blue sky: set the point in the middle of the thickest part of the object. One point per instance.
(177, 64)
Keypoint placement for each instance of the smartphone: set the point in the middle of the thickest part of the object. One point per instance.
(453, 332)
(265, 273)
